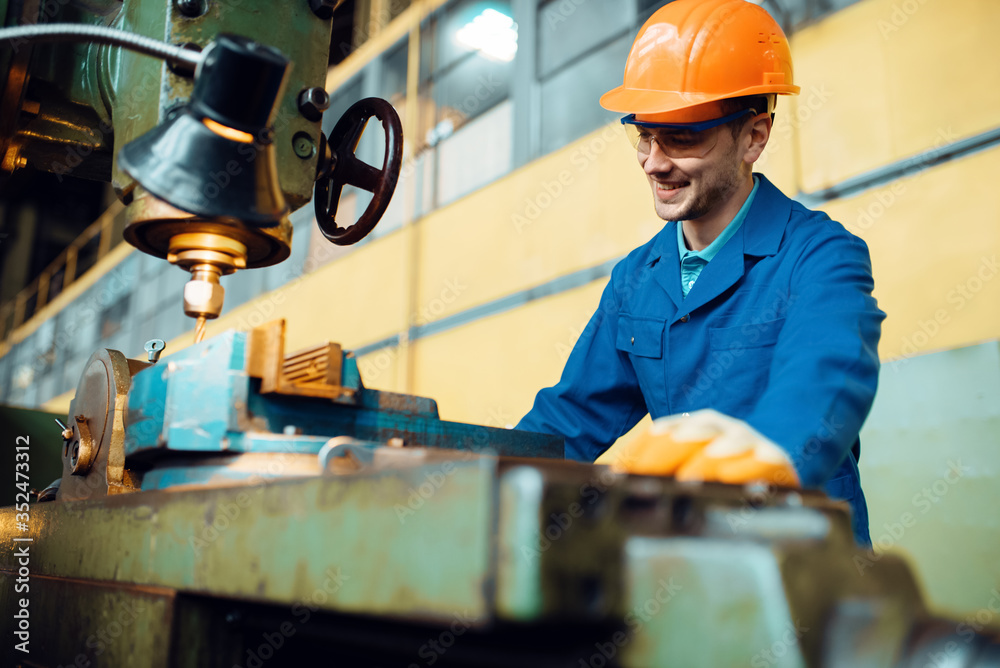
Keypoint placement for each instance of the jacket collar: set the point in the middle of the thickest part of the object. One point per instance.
(759, 236)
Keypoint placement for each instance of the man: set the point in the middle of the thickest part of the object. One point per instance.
(746, 303)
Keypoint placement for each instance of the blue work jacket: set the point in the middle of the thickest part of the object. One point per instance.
(780, 330)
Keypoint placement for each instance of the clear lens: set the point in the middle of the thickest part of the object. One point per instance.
(673, 143)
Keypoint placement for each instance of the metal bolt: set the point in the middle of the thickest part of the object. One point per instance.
(303, 145)
(324, 8)
(191, 8)
(313, 102)
(67, 433)
(153, 349)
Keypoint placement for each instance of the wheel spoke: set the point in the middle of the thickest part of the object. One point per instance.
(361, 174)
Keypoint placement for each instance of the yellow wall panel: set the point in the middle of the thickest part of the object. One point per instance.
(840, 64)
(779, 161)
(935, 241)
(896, 78)
(487, 372)
(945, 60)
(383, 369)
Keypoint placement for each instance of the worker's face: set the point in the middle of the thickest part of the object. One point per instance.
(692, 188)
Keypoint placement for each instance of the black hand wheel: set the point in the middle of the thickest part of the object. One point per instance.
(339, 167)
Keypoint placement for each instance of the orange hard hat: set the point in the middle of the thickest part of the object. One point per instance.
(691, 53)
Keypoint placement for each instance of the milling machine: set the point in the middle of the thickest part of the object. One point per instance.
(236, 505)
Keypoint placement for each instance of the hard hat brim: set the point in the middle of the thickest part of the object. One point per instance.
(635, 101)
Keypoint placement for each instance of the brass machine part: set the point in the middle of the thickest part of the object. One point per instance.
(208, 248)
(208, 257)
(94, 441)
(312, 372)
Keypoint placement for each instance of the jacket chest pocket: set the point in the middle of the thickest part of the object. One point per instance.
(742, 355)
(747, 335)
(642, 339)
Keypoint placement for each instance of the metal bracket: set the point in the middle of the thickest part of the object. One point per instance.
(312, 372)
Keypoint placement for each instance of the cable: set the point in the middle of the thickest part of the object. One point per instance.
(71, 32)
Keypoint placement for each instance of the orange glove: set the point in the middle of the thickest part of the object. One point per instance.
(705, 445)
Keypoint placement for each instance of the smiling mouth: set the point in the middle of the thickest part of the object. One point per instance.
(670, 187)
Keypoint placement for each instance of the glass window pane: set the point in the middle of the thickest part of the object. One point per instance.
(341, 99)
(570, 107)
(567, 29)
(471, 87)
(427, 31)
(476, 155)
(452, 39)
(392, 86)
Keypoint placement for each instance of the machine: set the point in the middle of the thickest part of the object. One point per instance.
(234, 504)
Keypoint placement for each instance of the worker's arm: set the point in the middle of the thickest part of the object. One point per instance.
(598, 397)
(825, 367)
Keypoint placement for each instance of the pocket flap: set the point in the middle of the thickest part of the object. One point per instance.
(747, 335)
(640, 336)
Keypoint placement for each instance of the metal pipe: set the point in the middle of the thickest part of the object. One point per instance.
(71, 32)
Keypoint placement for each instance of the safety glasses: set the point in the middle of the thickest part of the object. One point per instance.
(678, 140)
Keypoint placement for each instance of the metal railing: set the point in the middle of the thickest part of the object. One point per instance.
(82, 253)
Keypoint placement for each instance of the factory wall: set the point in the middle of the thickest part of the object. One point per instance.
(497, 247)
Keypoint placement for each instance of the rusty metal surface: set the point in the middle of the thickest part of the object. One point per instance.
(619, 570)
(77, 623)
(413, 542)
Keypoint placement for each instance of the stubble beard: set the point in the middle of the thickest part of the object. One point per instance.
(716, 187)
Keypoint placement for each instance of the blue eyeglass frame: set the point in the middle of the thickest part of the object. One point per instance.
(693, 127)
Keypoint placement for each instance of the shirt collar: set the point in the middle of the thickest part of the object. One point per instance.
(706, 254)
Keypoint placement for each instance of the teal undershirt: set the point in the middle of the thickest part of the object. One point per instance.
(692, 262)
